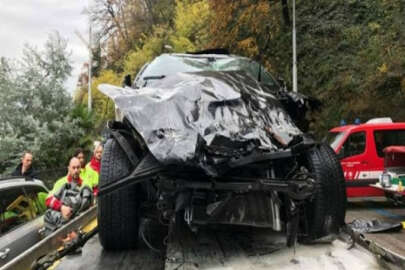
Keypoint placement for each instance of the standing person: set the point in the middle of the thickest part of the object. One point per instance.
(68, 196)
(95, 163)
(87, 174)
(25, 169)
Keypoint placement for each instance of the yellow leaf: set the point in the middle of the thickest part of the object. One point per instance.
(383, 68)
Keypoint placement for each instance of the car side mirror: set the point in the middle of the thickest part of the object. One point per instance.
(341, 153)
(127, 81)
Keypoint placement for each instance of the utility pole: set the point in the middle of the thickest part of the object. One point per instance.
(294, 45)
(88, 44)
(90, 65)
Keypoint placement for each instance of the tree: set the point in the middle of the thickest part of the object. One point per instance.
(189, 33)
(122, 24)
(286, 13)
(191, 25)
(350, 54)
(153, 45)
(35, 108)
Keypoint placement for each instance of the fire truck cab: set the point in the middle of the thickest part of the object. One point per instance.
(360, 150)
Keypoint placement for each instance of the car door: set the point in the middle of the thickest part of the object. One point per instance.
(353, 155)
(20, 221)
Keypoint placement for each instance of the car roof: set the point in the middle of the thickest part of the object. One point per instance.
(9, 182)
(366, 126)
(222, 56)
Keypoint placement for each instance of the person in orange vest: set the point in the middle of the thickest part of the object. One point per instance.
(95, 164)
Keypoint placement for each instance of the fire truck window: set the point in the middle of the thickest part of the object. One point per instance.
(385, 138)
(355, 144)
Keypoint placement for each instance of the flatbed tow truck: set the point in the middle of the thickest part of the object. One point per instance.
(235, 247)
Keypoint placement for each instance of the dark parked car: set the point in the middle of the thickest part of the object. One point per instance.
(213, 138)
(22, 205)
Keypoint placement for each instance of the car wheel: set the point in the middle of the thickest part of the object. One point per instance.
(118, 212)
(322, 211)
(333, 163)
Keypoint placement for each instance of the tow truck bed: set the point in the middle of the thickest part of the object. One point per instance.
(93, 257)
(384, 210)
(234, 248)
(226, 248)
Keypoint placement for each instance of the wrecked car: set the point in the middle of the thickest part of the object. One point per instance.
(212, 138)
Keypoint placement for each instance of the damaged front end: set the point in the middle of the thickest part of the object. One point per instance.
(260, 190)
(216, 147)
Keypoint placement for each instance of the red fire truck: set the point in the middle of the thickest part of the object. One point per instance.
(360, 150)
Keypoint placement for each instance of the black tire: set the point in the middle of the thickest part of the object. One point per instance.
(333, 163)
(118, 212)
(320, 218)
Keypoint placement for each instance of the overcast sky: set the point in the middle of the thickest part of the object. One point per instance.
(31, 21)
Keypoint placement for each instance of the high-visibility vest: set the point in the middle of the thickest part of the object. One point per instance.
(92, 175)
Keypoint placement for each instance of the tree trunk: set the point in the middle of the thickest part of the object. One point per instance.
(286, 13)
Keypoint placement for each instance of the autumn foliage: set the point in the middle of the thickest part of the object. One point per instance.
(351, 53)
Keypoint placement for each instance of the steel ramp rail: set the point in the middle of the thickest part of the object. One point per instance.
(50, 243)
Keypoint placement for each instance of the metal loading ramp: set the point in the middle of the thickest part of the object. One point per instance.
(253, 248)
(224, 248)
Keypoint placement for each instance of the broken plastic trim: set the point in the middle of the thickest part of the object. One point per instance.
(296, 189)
(149, 168)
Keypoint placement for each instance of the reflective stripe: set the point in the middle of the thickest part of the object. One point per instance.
(369, 174)
(52, 203)
(362, 174)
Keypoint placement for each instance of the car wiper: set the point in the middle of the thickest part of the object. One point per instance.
(153, 77)
(147, 78)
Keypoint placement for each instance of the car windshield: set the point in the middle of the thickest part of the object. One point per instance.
(166, 65)
(334, 139)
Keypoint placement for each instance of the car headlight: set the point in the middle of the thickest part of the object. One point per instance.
(385, 180)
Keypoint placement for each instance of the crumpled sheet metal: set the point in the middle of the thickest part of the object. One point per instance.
(373, 226)
(192, 117)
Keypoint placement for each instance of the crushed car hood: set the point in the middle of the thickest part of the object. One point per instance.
(204, 118)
